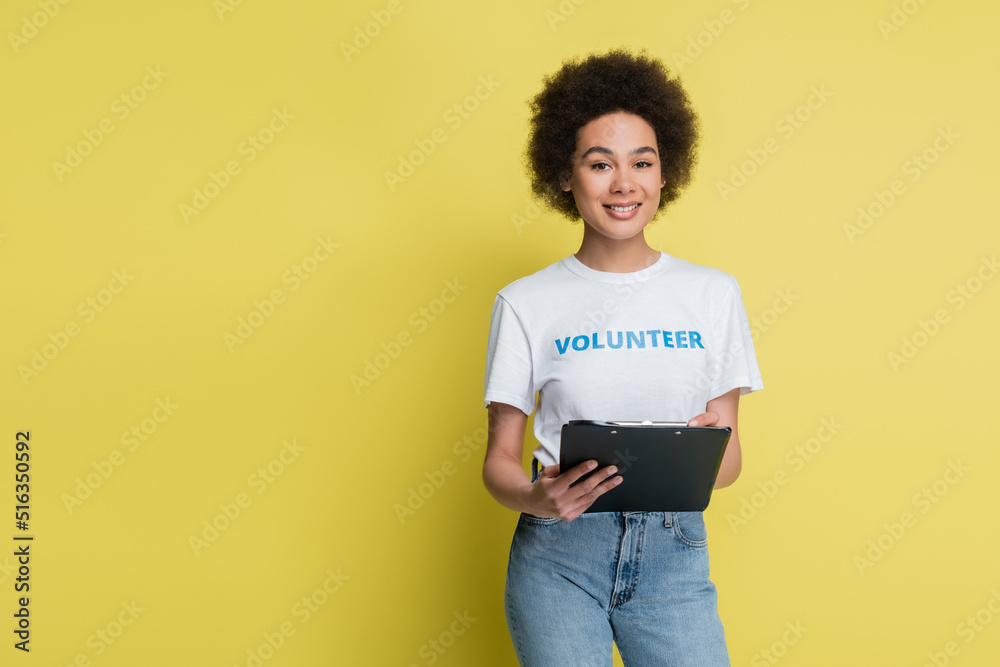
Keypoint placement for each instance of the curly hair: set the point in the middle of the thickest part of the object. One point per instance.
(601, 84)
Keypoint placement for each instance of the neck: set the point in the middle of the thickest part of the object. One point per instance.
(616, 255)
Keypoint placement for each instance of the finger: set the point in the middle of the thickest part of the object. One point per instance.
(573, 475)
(602, 476)
(567, 479)
(600, 489)
(704, 419)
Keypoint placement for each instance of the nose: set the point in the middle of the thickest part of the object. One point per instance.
(622, 182)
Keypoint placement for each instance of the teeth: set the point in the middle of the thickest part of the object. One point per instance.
(622, 209)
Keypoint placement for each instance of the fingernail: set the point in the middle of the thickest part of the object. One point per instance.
(612, 470)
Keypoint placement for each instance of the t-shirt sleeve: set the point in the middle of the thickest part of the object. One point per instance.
(735, 362)
(508, 360)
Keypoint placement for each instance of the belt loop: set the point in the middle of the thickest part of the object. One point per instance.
(666, 519)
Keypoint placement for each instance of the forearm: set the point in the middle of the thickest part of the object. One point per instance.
(723, 411)
(506, 482)
(732, 465)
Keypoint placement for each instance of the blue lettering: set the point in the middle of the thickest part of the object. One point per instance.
(630, 339)
(565, 345)
(640, 340)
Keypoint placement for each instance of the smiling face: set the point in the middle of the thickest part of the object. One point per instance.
(616, 177)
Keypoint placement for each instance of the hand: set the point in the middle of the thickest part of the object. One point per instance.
(551, 495)
(704, 419)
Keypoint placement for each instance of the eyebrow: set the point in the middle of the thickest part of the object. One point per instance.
(608, 151)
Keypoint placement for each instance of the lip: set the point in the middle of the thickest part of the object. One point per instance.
(623, 215)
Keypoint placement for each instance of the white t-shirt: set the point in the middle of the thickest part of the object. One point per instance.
(654, 344)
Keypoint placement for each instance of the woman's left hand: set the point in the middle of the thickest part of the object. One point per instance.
(722, 411)
(704, 419)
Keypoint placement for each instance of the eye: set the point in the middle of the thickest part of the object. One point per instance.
(642, 164)
(600, 166)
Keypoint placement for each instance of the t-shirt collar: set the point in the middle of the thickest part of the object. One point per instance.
(577, 267)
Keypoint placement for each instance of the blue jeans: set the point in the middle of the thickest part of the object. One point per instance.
(637, 578)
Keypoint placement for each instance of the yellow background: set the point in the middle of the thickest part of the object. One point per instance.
(897, 74)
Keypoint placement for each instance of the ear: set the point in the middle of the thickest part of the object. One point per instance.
(564, 182)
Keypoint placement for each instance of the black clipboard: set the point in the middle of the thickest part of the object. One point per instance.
(664, 468)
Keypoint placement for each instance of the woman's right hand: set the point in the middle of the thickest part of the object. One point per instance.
(552, 496)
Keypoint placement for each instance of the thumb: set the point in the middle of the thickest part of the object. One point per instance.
(550, 471)
(704, 419)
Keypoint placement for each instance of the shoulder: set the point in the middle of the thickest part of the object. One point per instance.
(709, 275)
(538, 285)
(705, 282)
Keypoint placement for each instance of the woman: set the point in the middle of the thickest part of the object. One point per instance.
(612, 142)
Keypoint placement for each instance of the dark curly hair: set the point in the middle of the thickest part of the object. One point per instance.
(583, 90)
